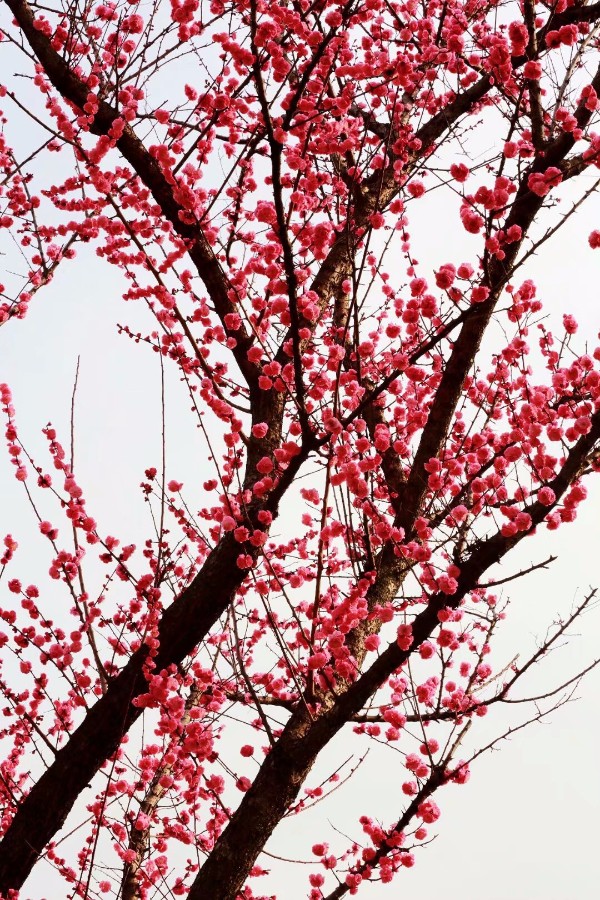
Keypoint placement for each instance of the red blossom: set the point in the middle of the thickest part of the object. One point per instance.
(375, 431)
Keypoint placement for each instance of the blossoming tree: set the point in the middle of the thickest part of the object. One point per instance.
(381, 432)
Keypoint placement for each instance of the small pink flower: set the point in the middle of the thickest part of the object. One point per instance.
(404, 637)
(484, 670)
(594, 240)
(426, 650)
(514, 233)
(429, 811)
(317, 660)
(479, 294)
(264, 465)
(459, 172)
(459, 513)
(583, 425)
(541, 183)
(546, 496)
(216, 784)
(444, 278)
(532, 70)
(416, 188)
(523, 521)
(372, 642)
(133, 24)
(395, 718)
(461, 774)
(447, 585)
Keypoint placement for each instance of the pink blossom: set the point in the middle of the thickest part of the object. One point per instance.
(594, 240)
(317, 660)
(461, 773)
(479, 294)
(320, 849)
(372, 642)
(532, 70)
(412, 762)
(264, 465)
(523, 521)
(447, 638)
(395, 718)
(133, 24)
(459, 172)
(546, 496)
(447, 584)
(542, 182)
(416, 188)
(404, 637)
(444, 278)
(429, 811)
(472, 221)
(426, 650)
